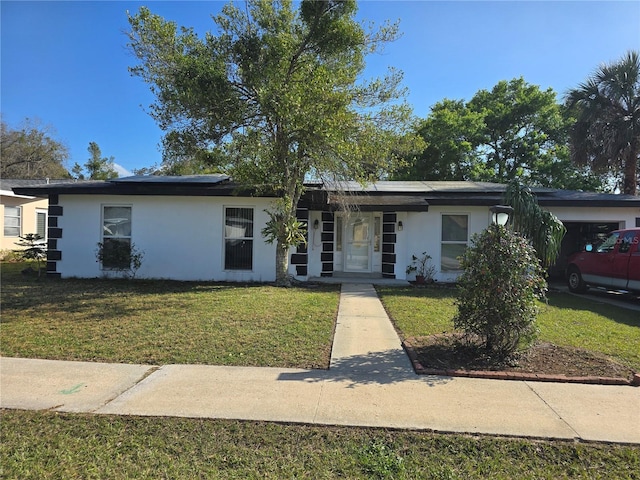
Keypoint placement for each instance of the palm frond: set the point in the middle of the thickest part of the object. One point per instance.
(542, 228)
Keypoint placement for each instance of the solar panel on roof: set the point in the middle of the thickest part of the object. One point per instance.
(199, 179)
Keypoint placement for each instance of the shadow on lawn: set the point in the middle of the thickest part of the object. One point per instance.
(615, 313)
(381, 368)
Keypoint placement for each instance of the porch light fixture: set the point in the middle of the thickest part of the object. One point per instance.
(316, 224)
(400, 227)
(500, 214)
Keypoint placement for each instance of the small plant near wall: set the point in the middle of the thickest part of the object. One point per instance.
(120, 256)
(423, 269)
(35, 248)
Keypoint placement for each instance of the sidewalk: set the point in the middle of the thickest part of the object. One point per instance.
(370, 383)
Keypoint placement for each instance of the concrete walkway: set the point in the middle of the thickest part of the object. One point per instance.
(370, 383)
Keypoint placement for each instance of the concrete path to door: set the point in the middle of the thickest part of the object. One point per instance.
(370, 384)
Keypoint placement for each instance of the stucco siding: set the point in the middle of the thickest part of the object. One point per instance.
(422, 232)
(625, 216)
(29, 207)
(182, 237)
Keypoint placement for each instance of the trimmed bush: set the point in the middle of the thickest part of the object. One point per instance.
(498, 289)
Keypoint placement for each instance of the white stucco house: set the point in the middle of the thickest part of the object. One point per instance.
(206, 228)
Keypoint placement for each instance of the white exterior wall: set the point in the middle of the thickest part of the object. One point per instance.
(314, 246)
(422, 232)
(182, 237)
(625, 216)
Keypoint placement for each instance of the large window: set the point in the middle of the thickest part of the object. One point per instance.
(238, 238)
(116, 237)
(12, 221)
(455, 237)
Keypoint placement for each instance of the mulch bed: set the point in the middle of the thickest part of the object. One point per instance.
(455, 354)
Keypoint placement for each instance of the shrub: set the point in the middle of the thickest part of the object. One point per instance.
(34, 248)
(120, 256)
(10, 256)
(498, 289)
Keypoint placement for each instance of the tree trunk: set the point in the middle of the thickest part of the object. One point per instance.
(630, 182)
(282, 265)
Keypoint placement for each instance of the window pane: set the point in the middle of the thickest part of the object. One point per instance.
(11, 231)
(449, 257)
(11, 221)
(454, 228)
(238, 232)
(41, 224)
(376, 234)
(609, 243)
(338, 226)
(239, 223)
(238, 255)
(117, 222)
(11, 211)
(116, 253)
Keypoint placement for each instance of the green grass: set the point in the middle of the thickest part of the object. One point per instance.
(566, 320)
(162, 322)
(49, 445)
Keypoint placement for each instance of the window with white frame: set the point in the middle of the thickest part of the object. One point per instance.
(455, 239)
(12, 221)
(238, 238)
(116, 236)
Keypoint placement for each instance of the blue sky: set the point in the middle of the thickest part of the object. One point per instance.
(65, 63)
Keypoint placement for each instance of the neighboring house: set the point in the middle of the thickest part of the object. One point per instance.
(206, 228)
(22, 214)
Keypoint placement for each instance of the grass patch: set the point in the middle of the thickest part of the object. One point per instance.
(162, 322)
(566, 320)
(46, 445)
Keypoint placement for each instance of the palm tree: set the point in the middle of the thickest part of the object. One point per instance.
(606, 135)
(542, 228)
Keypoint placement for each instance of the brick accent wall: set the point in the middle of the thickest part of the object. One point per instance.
(389, 245)
(301, 258)
(327, 244)
(54, 233)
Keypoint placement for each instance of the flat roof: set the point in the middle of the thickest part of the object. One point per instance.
(387, 195)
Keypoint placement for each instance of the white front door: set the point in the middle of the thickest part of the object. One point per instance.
(357, 248)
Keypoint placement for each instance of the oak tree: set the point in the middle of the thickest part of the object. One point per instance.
(513, 131)
(31, 151)
(273, 96)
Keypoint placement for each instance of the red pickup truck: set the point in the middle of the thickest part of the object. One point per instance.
(614, 264)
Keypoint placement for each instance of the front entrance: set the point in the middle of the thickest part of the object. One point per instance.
(357, 247)
(358, 242)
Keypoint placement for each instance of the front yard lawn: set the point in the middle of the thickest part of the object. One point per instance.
(567, 320)
(163, 322)
(48, 445)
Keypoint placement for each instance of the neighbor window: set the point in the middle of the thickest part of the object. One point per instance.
(238, 238)
(12, 221)
(41, 223)
(455, 237)
(116, 237)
